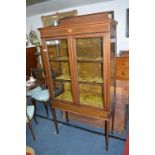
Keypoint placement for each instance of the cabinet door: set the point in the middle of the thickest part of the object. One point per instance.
(89, 57)
(58, 57)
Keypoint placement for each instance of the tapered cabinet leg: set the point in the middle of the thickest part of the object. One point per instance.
(67, 119)
(107, 134)
(55, 120)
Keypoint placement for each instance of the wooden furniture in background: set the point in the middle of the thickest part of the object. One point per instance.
(122, 90)
(81, 52)
(122, 105)
(38, 90)
(31, 59)
(122, 67)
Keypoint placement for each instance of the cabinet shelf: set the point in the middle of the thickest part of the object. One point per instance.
(63, 77)
(79, 59)
(59, 59)
(87, 59)
(91, 80)
(96, 80)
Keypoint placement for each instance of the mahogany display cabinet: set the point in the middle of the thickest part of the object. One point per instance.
(79, 60)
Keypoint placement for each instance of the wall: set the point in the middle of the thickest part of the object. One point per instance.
(118, 6)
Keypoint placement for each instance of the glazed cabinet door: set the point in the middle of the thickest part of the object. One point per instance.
(90, 69)
(59, 64)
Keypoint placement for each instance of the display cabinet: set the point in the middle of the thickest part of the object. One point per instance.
(79, 61)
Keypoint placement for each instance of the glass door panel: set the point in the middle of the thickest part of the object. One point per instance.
(90, 72)
(60, 70)
(89, 49)
(91, 95)
(89, 53)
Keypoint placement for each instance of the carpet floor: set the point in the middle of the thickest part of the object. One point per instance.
(70, 140)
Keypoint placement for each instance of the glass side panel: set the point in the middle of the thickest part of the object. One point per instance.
(112, 64)
(60, 70)
(89, 53)
(112, 70)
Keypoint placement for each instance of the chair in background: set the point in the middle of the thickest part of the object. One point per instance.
(30, 115)
(39, 93)
(41, 96)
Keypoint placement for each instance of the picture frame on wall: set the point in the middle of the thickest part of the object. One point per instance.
(127, 22)
(53, 20)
